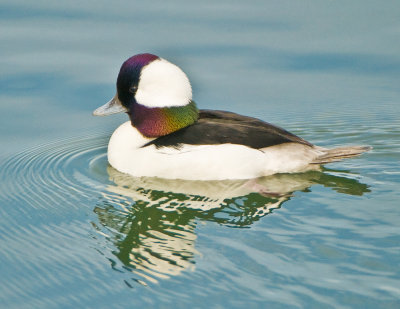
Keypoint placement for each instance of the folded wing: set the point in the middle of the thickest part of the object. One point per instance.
(220, 127)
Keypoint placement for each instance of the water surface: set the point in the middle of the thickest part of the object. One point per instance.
(74, 232)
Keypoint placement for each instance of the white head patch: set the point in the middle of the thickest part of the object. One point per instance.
(163, 84)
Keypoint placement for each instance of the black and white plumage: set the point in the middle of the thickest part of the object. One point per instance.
(221, 127)
(168, 137)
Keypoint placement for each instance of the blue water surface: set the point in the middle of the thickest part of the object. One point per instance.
(75, 233)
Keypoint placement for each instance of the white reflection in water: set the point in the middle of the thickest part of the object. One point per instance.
(152, 221)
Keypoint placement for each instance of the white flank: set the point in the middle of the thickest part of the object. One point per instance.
(163, 84)
(290, 158)
(204, 162)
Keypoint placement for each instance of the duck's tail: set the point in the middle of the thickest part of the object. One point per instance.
(337, 154)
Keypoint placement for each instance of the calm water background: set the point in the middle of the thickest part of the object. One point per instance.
(76, 233)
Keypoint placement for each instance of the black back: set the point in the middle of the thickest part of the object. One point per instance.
(220, 127)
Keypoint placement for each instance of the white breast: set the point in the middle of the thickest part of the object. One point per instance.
(202, 162)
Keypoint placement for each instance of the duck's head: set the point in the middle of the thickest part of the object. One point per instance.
(155, 93)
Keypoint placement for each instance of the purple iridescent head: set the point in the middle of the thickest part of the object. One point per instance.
(129, 76)
(155, 93)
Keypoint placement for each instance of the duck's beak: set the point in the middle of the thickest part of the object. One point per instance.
(112, 107)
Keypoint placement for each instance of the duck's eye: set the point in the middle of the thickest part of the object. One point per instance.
(133, 89)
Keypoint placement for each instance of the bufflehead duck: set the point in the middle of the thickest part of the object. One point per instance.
(168, 137)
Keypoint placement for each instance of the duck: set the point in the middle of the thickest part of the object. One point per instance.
(167, 136)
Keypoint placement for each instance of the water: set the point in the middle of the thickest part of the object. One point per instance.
(76, 233)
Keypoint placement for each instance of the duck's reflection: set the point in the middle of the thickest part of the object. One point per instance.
(152, 221)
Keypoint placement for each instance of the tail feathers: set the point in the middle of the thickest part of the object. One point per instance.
(337, 154)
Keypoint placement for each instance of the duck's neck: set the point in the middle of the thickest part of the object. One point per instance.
(160, 121)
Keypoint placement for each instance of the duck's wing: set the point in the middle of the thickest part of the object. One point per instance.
(220, 127)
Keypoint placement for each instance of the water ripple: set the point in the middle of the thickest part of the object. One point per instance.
(146, 229)
(50, 173)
